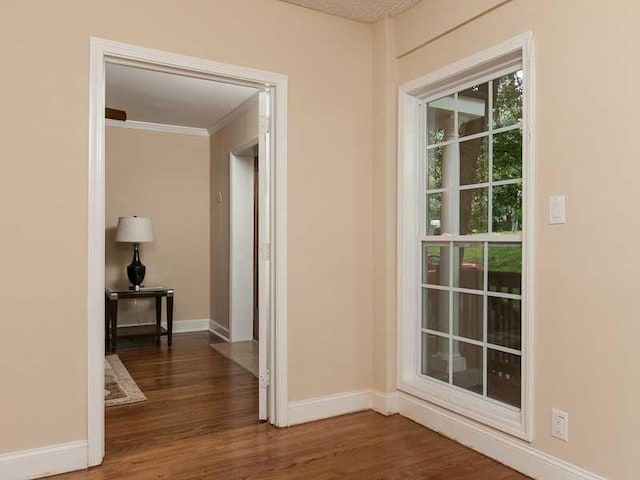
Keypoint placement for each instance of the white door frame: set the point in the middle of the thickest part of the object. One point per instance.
(234, 157)
(103, 51)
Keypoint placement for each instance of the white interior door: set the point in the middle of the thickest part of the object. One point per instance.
(264, 242)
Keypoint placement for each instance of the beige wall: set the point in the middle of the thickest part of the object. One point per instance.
(235, 135)
(384, 186)
(44, 48)
(163, 176)
(586, 148)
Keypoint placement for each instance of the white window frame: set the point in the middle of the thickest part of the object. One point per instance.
(470, 71)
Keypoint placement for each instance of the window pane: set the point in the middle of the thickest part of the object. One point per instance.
(507, 100)
(473, 110)
(473, 211)
(503, 377)
(468, 265)
(507, 155)
(435, 264)
(440, 118)
(505, 268)
(507, 208)
(503, 328)
(474, 161)
(435, 310)
(434, 173)
(467, 366)
(435, 356)
(434, 213)
(467, 315)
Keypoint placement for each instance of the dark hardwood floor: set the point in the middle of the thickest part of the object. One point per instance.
(200, 422)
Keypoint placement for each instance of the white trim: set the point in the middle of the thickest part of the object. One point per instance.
(157, 127)
(278, 329)
(318, 408)
(219, 330)
(101, 52)
(513, 453)
(411, 94)
(96, 258)
(384, 403)
(235, 113)
(45, 461)
(179, 326)
(416, 86)
(187, 326)
(236, 320)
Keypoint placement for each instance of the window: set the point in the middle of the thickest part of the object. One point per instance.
(465, 316)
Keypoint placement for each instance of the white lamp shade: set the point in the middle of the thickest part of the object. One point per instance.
(134, 230)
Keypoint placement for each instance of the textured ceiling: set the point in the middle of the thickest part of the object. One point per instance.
(359, 10)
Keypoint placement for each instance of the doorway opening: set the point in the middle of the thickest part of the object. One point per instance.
(268, 243)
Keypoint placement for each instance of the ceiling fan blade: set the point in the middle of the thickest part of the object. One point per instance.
(114, 114)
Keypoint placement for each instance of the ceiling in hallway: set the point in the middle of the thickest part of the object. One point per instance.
(360, 10)
(159, 97)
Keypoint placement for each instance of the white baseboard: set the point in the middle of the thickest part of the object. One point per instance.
(219, 330)
(187, 326)
(43, 462)
(384, 403)
(312, 409)
(501, 447)
(181, 326)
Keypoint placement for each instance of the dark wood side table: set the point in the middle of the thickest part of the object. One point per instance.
(112, 295)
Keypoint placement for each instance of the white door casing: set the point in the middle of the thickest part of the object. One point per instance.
(264, 249)
(275, 323)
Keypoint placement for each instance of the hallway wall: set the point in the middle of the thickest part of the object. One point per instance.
(163, 176)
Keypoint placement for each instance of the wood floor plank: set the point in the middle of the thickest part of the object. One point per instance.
(200, 422)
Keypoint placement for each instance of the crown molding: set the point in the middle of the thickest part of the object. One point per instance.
(157, 127)
(235, 113)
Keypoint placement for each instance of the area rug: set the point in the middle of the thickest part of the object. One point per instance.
(119, 387)
(244, 354)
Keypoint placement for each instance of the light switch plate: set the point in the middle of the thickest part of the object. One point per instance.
(557, 209)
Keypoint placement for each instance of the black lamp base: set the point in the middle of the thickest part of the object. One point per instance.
(136, 270)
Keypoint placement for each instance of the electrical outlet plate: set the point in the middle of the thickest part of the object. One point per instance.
(560, 425)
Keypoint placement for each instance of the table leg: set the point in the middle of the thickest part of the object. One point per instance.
(106, 325)
(158, 317)
(114, 324)
(169, 319)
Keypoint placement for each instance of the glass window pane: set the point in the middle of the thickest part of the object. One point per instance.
(440, 118)
(434, 171)
(474, 161)
(507, 208)
(435, 264)
(435, 356)
(468, 265)
(467, 366)
(507, 155)
(473, 211)
(507, 99)
(435, 310)
(467, 315)
(503, 317)
(503, 377)
(434, 213)
(505, 268)
(473, 110)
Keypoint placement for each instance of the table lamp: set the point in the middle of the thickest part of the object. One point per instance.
(135, 230)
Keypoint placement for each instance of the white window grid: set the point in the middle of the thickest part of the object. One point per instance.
(451, 240)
